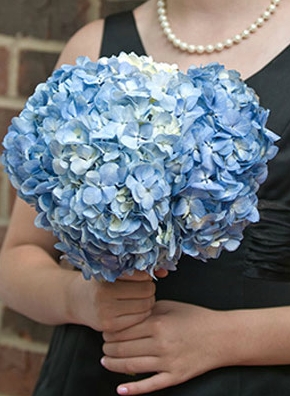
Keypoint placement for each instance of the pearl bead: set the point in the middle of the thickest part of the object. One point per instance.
(237, 38)
(168, 31)
(272, 8)
(245, 33)
(209, 48)
(260, 22)
(228, 43)
(165, 25)
(253, 28)
(171, 37)
(183, 46)
(266, 15)
(200, 49)
(219, 46)
(191, 48)
(176, 42)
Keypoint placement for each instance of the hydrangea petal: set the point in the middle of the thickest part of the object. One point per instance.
(131, 162)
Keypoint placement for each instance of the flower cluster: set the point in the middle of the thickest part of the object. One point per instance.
(131, 162)
(226, 149)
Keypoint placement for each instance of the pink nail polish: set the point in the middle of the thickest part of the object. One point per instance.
(122, 390)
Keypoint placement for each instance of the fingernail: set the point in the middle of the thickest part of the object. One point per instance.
(103, 361)
(122, 390)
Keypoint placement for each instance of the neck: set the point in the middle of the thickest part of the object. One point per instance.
(224, 10)
(218, 6)
(236, 38)
(197, 26)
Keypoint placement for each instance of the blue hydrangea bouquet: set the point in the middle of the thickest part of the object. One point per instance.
(131, 163)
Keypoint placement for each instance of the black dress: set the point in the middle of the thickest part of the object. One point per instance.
(256, 275)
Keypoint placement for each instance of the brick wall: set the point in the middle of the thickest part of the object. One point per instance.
(32, 34)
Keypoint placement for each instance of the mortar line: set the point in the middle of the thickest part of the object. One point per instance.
(12, 103)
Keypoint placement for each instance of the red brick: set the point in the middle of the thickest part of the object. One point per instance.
(44, 19)
(5, 121)
(24, 327)
(34, 68)
(4, 58)
(19, 370)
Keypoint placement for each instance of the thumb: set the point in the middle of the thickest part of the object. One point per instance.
(161, 273)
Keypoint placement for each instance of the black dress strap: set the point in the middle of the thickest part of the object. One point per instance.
(121, 34)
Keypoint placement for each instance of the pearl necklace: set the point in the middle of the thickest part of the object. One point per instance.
(219, 46)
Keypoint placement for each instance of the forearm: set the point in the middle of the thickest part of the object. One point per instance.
(181, 341)
(33, 284)
(257, 336)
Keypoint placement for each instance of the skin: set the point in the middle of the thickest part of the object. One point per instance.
(141, 335)
(28, 268)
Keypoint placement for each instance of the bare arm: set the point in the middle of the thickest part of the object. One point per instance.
(32, 282)
(181, 341)
(86, 42)
(28, 268)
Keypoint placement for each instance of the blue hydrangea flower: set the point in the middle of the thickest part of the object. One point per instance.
(131, 163)
(229, 147)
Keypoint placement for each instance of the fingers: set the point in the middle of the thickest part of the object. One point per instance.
(122, 322)
(133, 333)
(126, 307)
(137, 276)
(123, 313)
(139, 363)
(131, 365)
(161, 273)
(148, 385)
(129, 349)
(123, 304)
(125, 290)
(143, 275)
